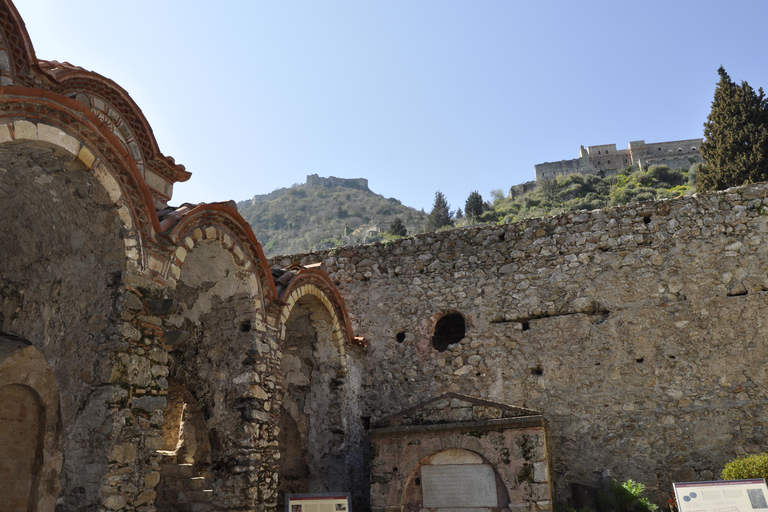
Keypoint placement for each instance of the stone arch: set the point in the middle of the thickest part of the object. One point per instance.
(455, 479)
(224, 361)
(30, 429)
(73, 128)
(315, 431)
(310, 293)
(221, 223)
(62, 261)
(124, 119)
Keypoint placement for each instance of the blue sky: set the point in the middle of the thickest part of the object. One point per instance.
(416, 96)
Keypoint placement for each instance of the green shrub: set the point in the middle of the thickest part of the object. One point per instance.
(751, 466)
(626, 497)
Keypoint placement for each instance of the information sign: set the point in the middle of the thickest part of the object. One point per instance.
(328, 502)
(722, 496)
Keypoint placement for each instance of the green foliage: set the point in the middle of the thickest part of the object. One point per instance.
(304, 218)
(474, 205)
(397, 228)
(751, 466)
(588, 192)
(735, 148)
(626, 497)
(440, 216)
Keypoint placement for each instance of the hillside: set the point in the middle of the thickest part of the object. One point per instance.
(323, 213)
(587, 192)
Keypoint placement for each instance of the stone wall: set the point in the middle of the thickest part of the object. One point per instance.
(606, 159)
(636, 331)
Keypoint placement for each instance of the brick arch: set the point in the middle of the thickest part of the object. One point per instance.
(123, 117)
(37, 116)
(111, 103)
(220, 222)
(17, 56)
(316, 284)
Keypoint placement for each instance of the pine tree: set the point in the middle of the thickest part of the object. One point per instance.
(397, 227)
(735, 148)
(474, 205)
(441, 212)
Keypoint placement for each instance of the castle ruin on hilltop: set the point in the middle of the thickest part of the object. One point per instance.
(605, 160)
(153, 359)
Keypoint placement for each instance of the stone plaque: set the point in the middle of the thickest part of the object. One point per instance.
(458, 486)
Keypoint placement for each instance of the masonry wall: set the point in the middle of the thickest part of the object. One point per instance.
(638, 332)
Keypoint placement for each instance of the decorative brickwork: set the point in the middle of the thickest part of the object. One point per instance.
(168, 366)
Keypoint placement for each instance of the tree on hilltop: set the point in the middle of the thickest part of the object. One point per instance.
(735, 148)
(441, 212)
(397, 227)
(474, 205)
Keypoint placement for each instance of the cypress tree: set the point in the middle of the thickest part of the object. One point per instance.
(735, 148)
(440, 215)
(474, 205)
(397, 227)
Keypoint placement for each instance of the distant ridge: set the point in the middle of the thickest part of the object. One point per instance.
(324, 213)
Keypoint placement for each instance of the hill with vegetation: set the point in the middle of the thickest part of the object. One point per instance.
(325, 213)
(329, 212)
(587, 192)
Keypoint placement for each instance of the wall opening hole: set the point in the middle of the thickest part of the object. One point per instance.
(450, 329)
(647, 219)
(526, 325)
(640, 359)
(597, 363)
(394, 470)
(538, 370)
(400, 337)
(418, 481)
(245, 326)
(502, 237)
(366, 421)
(671, 357)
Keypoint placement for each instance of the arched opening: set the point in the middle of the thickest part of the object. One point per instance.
(186, 454)
(449, 329)
(30, 441)
(219, 398)
(312, 420)
(62, 259)
(21, 446)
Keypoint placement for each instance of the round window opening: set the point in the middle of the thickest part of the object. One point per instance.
(449, 329)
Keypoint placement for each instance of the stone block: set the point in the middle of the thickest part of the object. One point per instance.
(24, 130)
(58, 137)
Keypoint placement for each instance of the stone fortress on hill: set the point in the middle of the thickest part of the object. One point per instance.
(606, 160)
(151, 357)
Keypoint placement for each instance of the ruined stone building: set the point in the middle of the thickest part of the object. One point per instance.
(606, 160)
(151, 358)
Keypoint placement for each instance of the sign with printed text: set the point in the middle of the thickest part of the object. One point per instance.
(723, 496)
(328, 502)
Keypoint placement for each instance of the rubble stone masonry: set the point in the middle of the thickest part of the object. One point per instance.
(638, 332)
